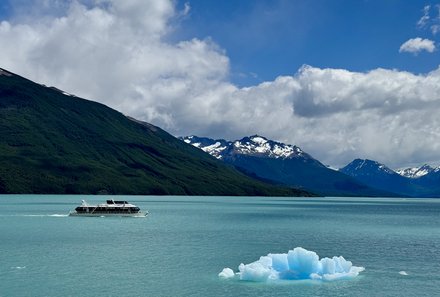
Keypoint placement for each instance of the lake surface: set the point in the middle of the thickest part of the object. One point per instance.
(180, 248)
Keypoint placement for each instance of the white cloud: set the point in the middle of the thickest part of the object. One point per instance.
(425, 18)
(428, 22)
(186, 9)
(435, 27)
(116, 52)
(416, 45)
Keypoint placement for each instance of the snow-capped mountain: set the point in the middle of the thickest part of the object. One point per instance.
(213, 147)
(258, 145)
(417, 172)
(253, 146)
(282, 163)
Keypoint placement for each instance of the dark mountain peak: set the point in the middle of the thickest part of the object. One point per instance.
(377, 175)
(366, 167)
(5, 72)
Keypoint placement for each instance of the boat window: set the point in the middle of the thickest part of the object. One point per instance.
(121, 202)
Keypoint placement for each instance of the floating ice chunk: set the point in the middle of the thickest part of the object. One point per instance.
(403, 272)
(298, 263)
(226, 273)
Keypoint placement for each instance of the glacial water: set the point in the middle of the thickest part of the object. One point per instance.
(180, 248)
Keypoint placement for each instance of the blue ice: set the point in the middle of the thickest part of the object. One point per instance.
(296, 264)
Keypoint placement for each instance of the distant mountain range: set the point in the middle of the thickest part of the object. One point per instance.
(290, 165)
(53, 142)
(283, 163)
(422, 181)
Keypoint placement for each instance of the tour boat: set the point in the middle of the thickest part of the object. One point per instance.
(111, 208)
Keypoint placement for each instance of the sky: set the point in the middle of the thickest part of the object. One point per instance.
(340, 79)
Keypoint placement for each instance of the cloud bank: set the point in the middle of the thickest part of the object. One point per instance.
(297, 264)
(120, 53)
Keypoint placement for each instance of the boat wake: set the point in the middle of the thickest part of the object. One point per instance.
(49, 215)
(57, 215)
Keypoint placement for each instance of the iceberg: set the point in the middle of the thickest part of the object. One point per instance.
(226, 273)
(296, 264)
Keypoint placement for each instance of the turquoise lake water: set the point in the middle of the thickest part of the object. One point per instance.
(180, 248)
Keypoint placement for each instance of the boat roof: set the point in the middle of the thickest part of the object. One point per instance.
(116, 202)
(111, 202)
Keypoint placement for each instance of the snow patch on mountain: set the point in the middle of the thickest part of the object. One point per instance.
(258, 145)
(213, 147)
(215, 150)
(259, 140)
(417, 172)
(253, 145)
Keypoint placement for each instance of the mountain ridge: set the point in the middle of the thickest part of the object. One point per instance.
(54, 142)
(422, 181)
(417, 172)
(283, 163)
(250, 145)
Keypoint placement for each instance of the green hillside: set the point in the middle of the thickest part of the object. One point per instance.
(55, 143)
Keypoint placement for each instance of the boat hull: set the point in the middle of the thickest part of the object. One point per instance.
(132, 215)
